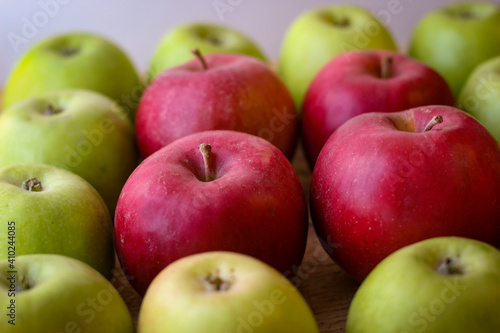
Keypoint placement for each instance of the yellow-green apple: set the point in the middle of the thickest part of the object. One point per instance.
(357, 82)
(217, 292)
(78, 130)
(318, 35)
(50, 210)
(386, 180)
(443, 284)
(480, 95)
(456, 38)
(54, 293)
(211, 191)
(217, 92)
(74, 61)
(175, 47)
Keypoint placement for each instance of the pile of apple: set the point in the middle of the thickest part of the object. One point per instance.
(186, 177)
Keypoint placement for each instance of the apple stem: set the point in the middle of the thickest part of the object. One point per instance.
(32, 185)
(206, 151)
(449, 266)
(198, 54)
(216, 283)
(52, 110)
(434, 121)
(385, 68)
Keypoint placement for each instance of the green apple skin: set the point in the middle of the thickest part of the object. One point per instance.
(480, 95)
(74, 61)
(411, 291)
(456, 38)
(319, 35)
(66, 217)
(254, 298)
(55, 293)
(91, 137)
(175, 47)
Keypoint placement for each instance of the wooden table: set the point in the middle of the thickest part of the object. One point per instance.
(327, 289)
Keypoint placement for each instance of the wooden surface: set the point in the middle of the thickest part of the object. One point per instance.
(327, 289)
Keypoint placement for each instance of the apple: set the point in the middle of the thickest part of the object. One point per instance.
(50, 210)
(74, 61)
(444, 284)
(358, 82)
(211, 191)
(320, 34)
(175, 47)
(386, 180)
(457, 37)
(54, 293)
(480, 95)
(217, 292)
(78, 130)
(217, 92)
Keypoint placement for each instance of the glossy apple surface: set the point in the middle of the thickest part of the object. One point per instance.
(383, 182)
(234, 92)
(444, 284)
(252, 203)
(74, 61)
(223, 292)
(320, 34)
(456, 38)
(77, 130)
(175, 47)
(480, 95)
(54, 293)
(62, 214)
(366, 81)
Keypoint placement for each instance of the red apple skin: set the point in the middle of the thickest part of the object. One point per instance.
(351, 84)
(376, 189)
(256, 206)
(236, 92)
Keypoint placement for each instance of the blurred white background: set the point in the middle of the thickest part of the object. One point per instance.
(137, 26)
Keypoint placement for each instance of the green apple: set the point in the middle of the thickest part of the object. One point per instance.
(480, 95)
(317, 36)
(456, 38)
(78, 130)
(51, 210)
(176, 46)
(444, 284)
(216, 292)
(54, 293)
(74, 61)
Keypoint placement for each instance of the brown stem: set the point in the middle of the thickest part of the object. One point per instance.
(434, 121)
(449, 266)
(206, 151)
(51, 109)
(216, 283)
(32, 185)
(385, 68)
(198, 54)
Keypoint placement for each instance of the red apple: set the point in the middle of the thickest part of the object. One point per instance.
(387, 180)
(218, 91)
(211, 191)
(366, 81)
